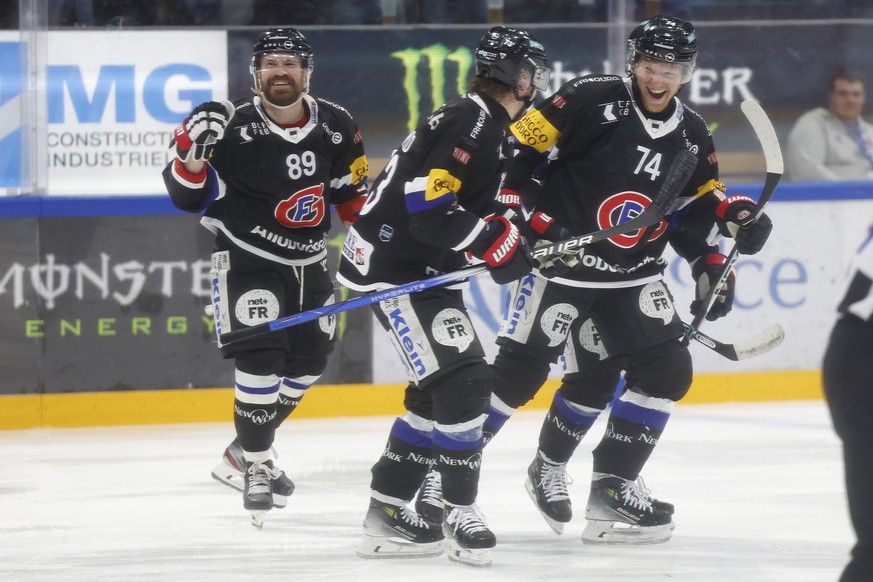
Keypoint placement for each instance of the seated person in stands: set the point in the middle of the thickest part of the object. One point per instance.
(835, 143)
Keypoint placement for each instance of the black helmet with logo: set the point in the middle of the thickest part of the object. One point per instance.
(512, 56)
(664, 39)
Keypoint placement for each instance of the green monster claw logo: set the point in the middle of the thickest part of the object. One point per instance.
(435, 57)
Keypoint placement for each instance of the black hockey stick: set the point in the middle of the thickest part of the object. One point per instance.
(758, 344)
(773, 158)
(677, 177)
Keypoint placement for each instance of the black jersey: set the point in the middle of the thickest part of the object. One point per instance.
(427, 205)
(606, 162)
(269, 188)
(858, 296)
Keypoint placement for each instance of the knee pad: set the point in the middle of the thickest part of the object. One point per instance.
(462, 394)
(296, 366)
(661, 371)
(261, 362)
(518, 375)
(593, 387)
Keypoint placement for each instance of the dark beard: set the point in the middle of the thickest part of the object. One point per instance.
(285, 96)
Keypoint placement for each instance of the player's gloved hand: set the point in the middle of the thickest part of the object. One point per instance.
(706, 271)
(196, 136)
(736, 219)
(503, 249)
(543, 228)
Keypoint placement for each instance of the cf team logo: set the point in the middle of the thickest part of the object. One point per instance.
(304, 208)
(618, 209)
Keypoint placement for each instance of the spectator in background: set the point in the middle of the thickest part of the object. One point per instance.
(834, 143)
(848, 385)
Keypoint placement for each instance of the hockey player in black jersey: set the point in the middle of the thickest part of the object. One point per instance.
(848, 385)
(436, 201)
(609, 142)
(265, 171)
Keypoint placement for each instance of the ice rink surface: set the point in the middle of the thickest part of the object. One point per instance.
(757, 487)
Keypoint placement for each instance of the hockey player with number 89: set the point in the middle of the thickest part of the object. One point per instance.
(265, 171)
(435, 203)
(609, 142)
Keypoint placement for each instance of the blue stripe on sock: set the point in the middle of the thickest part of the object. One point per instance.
(407, 434)
(640, 415)
(252, 390)
(451, 442)
(576, 417)
(495, 420)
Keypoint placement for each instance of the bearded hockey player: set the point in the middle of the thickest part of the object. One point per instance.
(265, 171)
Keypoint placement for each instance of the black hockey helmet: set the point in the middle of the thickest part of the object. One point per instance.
(511, 55)
(281, 40)
(664, 39)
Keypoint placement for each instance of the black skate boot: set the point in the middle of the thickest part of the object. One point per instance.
(620, 511)
(429, 501)
(468, 536)
(232, 467)
(258, 491)
(547, 486)
(395, 531)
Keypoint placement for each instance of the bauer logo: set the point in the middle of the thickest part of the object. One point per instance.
(11, 89)
(432, 75)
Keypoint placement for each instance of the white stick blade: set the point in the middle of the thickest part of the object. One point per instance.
(769, 339)
(766, 135)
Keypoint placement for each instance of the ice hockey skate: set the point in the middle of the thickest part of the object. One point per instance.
(547, 486)
(258, 490)
(429, 501)
(468, 538)
(395, 531)
(620, 511)
(231, 470)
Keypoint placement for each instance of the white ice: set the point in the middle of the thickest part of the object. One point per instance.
(757, 487)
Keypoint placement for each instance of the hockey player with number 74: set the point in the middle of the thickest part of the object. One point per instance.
(264, 171)
(610, 143)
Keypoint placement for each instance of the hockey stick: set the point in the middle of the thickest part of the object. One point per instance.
(773, 158)
(758, 344)
(677, 177)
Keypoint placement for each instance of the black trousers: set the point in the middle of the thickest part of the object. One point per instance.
(847, 374)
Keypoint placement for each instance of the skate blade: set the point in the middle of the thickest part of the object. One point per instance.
(611, 532)
(382, 547)
(557, 526)
(479, 557)
(258, 518)
(226, 474)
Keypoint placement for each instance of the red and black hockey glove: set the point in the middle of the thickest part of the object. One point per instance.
(737, 219)
(706, 271)
(195, 138)
(503, 249)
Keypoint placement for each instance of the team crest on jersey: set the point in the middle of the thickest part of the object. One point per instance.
(304, 208)
(451, 327)
(621, 207)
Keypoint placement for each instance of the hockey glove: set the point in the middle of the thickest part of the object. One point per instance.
(503, 249)
(546, 231)
(706, 271)
(195, 138)
(737, 219)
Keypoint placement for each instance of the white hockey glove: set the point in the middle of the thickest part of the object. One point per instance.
(195, 138)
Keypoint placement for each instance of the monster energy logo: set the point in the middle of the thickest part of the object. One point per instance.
(435, 58)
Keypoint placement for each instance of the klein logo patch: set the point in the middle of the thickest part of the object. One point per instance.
(463, 156)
